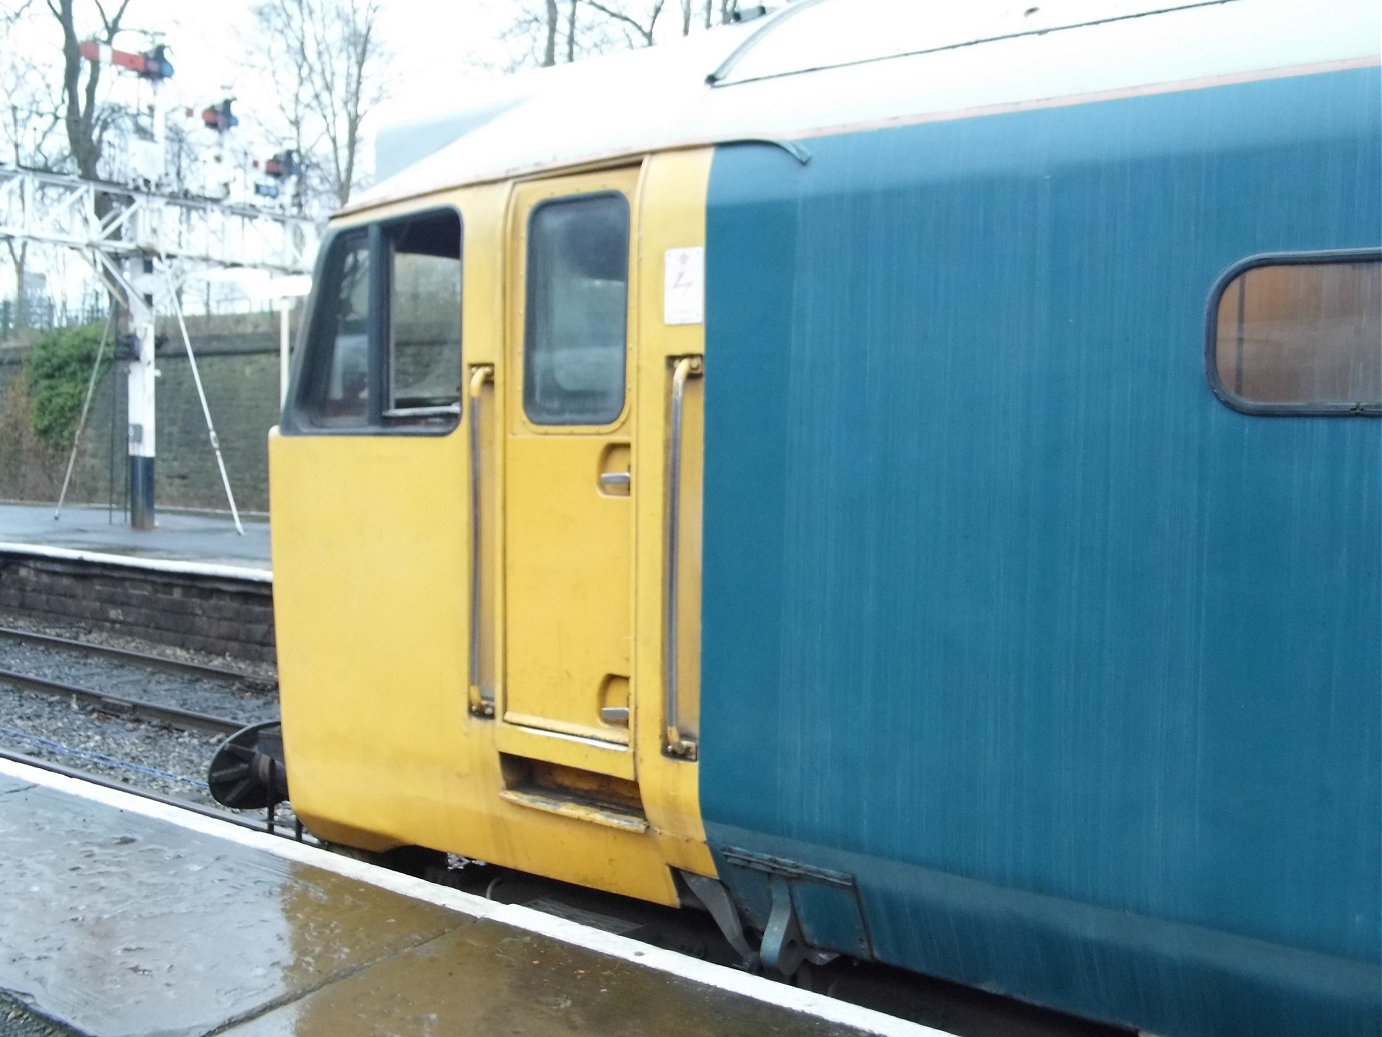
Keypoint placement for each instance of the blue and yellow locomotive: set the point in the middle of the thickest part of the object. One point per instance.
(908, 480)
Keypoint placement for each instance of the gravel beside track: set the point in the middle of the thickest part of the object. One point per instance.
(128, 680)
(18, 1020)
(144, 756)
(80, 632)
(141, 755)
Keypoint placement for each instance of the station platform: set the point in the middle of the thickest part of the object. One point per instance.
(181, 542)
(128, 917)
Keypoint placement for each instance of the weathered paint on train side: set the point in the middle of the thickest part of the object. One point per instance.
(1071, 669)
(373, 574)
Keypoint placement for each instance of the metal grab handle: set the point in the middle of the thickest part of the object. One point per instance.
(677, 745)
(613, 480)
(480, 703)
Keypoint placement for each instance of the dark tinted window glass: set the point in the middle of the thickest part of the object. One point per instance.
(577, 311)
(1302, 334)
(341, 336)
(424, 316)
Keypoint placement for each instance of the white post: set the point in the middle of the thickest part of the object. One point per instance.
(284, 306)
(140, 381)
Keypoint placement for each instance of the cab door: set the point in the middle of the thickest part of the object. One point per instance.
(569, 489)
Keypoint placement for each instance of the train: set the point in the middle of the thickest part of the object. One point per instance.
(904, 479)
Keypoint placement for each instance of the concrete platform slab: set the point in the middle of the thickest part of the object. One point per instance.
(489, 978)
(181, 539)
(125, 917)
(118, 924)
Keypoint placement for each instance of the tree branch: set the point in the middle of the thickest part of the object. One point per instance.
(631, 22)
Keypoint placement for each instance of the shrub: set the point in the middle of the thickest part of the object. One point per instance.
(29, 469)
(59, 367)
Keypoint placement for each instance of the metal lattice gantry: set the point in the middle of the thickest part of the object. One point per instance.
(143, 244)
(194, 232)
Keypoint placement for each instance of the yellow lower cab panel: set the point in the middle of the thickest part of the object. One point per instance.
(371, 597)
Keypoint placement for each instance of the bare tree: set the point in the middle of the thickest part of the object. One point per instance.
(84, 117)
(18, 250)
(718, 12)
(53, 128)
(328, 64)
(544, 33)
(28, 132)
(638, 26)
(551, 32)
(549, 52)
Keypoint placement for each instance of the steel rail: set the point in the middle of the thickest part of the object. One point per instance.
(180, 719)
(154, 662)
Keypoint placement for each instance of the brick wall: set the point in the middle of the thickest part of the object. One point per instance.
(237, 358)
(224, 617)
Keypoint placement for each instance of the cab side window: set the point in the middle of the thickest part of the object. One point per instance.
(383, 348)
(341, 335)
(424, 329)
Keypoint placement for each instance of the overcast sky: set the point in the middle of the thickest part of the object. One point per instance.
(436, 48)
(430, 41)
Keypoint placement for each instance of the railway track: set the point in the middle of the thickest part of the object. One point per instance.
(136, 709)
(144, 723)
(101, 674)
(146, 660)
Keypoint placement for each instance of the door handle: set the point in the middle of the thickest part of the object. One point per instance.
(677, 743)
(615, 715)
(613, 480)
(481, 699)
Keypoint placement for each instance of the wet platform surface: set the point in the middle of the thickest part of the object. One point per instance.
(179, 538)
(117, 923)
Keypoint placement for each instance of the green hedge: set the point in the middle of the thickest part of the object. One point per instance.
(59, 368)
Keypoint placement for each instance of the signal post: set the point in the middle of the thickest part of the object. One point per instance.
(131, 248)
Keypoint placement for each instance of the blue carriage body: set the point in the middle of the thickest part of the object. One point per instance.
(1049, 671)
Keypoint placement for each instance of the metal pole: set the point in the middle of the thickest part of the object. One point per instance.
(283, 306)
(201, 394)
(114, 432)
(86, 406)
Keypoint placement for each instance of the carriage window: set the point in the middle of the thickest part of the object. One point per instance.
(341, 337)
(1301, 336)
(384, 346)
(577, 311)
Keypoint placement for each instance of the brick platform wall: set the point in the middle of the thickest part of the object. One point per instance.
(224, 617)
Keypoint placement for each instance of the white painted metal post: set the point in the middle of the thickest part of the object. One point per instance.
(284, 306)
(141, 410)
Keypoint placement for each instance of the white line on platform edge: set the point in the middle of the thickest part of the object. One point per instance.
(67, 554)
(718, 976)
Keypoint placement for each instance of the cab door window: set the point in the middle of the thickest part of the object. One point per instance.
(384, 338)
(577, 311)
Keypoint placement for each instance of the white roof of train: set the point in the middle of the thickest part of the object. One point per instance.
(822, 65)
